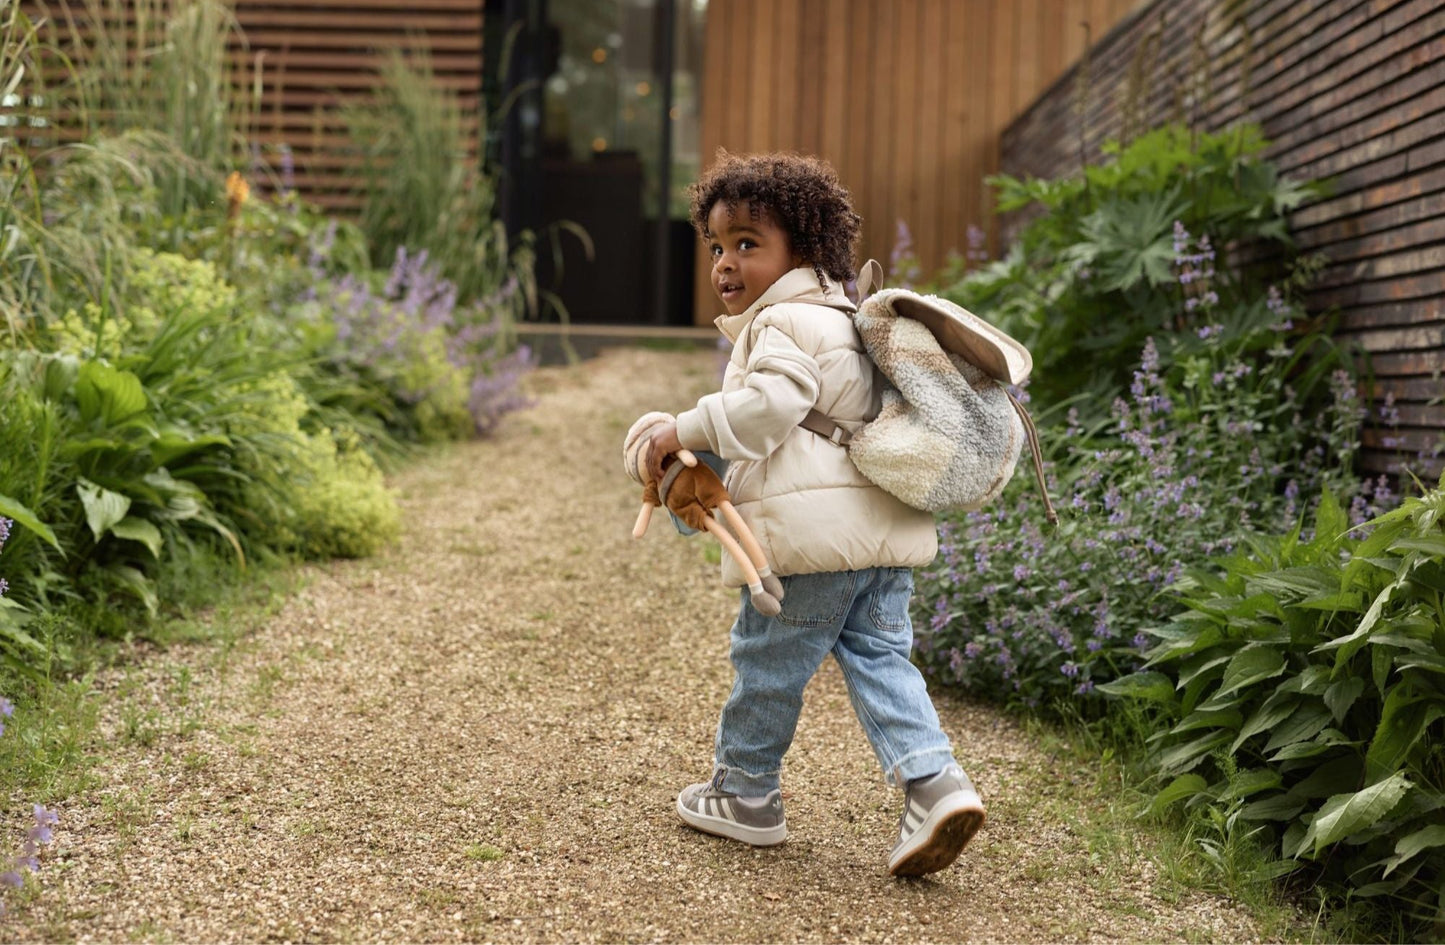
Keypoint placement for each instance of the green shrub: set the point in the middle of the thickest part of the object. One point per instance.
(1304, 690)
(1094, 273)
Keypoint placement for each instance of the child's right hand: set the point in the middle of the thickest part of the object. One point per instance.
(661, 444)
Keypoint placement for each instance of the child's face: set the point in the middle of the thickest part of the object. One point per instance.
(748, 254)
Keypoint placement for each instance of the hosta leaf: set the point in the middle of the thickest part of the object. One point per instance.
(1149, 686)
(13, 510)
(1350, 602)
(1336, 776)
(1432, 545)
(1422, 839)
(1323, 742)
(1181, 758)
(1208, 718)
(1251, 665)
(1349, 644)
(1402, 726)
(103, 508)
(1311, 681)
(173, 443)
(110, 394)
(1342, 694)
(1178, 644)
(1345, 814)
(1303, 725)
(138, 529)
(1197, 668)
(1275, 710)
(1430, 575)
(1382, 660)
(1278, 807)
(1292, 583)
(137, 583)
(1181, 788)
(1250, 782)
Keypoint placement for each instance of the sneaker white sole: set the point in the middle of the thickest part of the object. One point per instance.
(941, 837)
(722, 827)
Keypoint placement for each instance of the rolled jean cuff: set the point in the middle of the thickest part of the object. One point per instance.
(919, 764)
(743, 784)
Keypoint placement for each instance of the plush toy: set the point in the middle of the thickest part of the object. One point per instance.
(691, 491)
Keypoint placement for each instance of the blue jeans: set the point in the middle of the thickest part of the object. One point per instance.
(861, 617)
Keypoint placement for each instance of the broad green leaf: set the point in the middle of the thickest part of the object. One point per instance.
(1329, 739)
(1295, 582)
(1304, 724)
(1181, 788)
(1423, 839)
(1311, 681)
(1350, 602)
(138, 529)
(1149, 686)
(11, 509)
(1382, 660)
(1245, 783)
(171, 444)
(104, 392)
(1208, 718)
(1198, 667)
(1251, 665)
(1275, 710)
(137, 583)
(1403, 722)
(1181, 758)
(1178, 644)
(1432, 545)
(1278, 807)
(1342, 694)
(1345, 814)
(103, 508)
(1350, 643)
(1336, 776)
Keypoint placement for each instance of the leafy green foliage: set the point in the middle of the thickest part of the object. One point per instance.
(1308, 681)
(1093, 272)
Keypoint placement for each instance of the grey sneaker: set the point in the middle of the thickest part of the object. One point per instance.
(940, 815)
(755, 820)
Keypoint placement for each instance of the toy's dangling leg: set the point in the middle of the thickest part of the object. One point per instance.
(755, 551)
(765, 603)
(644, 518)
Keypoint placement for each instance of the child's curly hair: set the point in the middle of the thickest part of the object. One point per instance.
(802, 195)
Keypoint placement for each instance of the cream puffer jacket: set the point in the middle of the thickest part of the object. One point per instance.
(795, 349)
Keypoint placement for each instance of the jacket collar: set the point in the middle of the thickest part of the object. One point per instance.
(797, 285)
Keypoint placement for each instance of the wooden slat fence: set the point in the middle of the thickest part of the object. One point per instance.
(906, 98)
(311, 57)
(1352, 91)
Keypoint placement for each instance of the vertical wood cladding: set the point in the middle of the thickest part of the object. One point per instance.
(310, 57)
(906, 98)
(1349, 91)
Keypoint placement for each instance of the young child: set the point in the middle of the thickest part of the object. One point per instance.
(781, 231)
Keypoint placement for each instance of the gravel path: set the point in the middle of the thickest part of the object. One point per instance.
(479, 736)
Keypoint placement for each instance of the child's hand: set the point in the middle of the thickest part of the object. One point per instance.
(661, 444)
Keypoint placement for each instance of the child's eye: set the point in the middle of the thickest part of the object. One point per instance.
(715, 249)
(746, 244)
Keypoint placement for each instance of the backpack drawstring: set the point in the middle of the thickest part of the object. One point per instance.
(1038, 455)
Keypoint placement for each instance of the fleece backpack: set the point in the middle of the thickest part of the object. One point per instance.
(950, 432)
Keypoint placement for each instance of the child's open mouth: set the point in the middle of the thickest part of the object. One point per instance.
(730, 291)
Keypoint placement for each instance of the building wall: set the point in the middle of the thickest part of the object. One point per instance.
(906, 98)
(307, 58)
(1352, 91)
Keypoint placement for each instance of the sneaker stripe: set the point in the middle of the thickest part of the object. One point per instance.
(725, 808)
